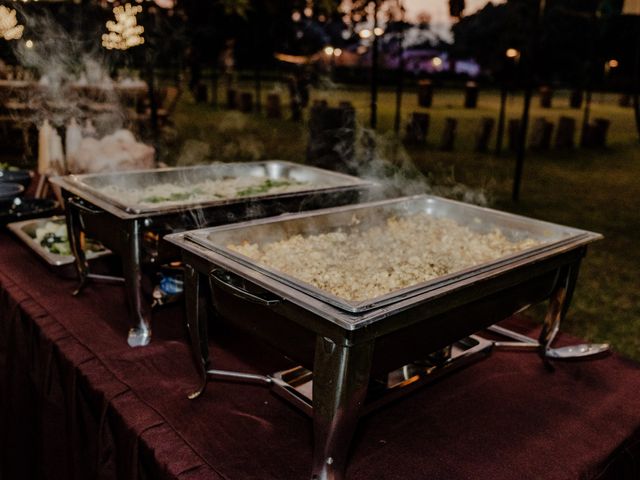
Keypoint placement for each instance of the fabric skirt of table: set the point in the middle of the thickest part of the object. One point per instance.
(78, 403)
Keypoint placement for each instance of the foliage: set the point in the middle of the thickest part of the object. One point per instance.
(575, 37)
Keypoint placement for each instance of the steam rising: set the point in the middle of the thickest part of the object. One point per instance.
(62, 59)
(383, 159)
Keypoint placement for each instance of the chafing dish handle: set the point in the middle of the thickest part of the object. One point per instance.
(77, 203)
(221, 278)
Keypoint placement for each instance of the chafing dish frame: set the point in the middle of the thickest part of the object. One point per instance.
(345, 349)
(122, 228)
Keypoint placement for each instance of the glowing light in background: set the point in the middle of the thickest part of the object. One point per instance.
(9, 27)
(125, 32)
(512, 53)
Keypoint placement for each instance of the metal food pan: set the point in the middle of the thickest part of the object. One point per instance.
(25, 231)
(319, 181)
(483, 220)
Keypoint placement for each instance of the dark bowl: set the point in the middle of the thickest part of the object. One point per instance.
(23, 177)
(25, 208)
(9, 191)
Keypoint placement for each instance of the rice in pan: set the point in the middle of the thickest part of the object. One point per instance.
(364, 264)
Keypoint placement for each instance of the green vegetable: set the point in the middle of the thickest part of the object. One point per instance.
(56, 244)
(6, 166)
(264, 187)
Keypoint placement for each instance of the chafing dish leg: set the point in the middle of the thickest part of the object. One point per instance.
(559, 302)
(140, 334)
(74, 232)
(558, 306)
(340, 380)
(195, 291)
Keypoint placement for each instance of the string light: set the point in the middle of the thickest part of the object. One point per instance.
(9, 27)
(125, 32)
(512, 53)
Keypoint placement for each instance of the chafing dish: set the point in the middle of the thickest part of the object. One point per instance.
(134, 231)
(345, 344)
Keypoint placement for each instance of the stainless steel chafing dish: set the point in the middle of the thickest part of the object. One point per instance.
(347, 344)
(134, 231)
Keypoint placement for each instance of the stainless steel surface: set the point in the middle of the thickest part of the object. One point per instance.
(296, 384)
(570, 352)
(518, 337)
(25, 231)
(578, 351)
(106, 278)
(140, 334)
(345, 349)
(88, 186)
(342, 375)
(219, 278)
(551, 236)
(241, 376)
(125, 228)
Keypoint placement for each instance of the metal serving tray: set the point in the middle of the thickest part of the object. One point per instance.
(348, 344)
(482, 220)
(134, 232)
(319, 181)
(25, 231)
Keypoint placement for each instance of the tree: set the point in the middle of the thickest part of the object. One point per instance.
(565, 31)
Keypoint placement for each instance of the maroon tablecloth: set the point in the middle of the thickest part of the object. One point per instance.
(78, 403)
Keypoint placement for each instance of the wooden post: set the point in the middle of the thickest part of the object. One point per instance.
(484, 134)
(425, 93)
(274, 106)
(594, 135)
(546, 96)
(449, 134)
(601, 128)
(625, 100)
(565, 133)
(575, 99)
(471, 95)
(246, 102)
(418, 128)
(541, 132)
(331, 137)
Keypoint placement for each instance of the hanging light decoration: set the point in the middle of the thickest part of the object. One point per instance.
(9, 27)
(125, 32)
(165, 3)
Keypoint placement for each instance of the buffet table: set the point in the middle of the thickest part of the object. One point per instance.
(78, 402)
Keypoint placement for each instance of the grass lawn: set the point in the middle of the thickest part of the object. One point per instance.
(596, 190)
